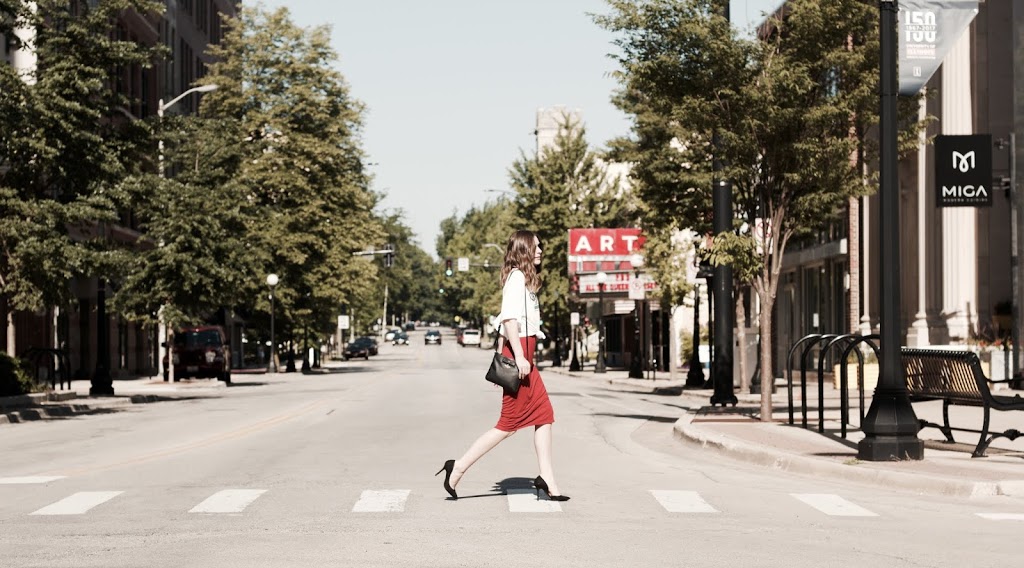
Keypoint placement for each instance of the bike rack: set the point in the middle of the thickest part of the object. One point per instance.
(809, 342)
(843, 373)
(812, 341)
(58, 357)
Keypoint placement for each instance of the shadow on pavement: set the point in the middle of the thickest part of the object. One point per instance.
(662, 419)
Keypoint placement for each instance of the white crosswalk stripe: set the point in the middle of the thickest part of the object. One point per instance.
(385, 501)
(833, 505)
(228, 501)
(29, 480)
(682, 501)
(1002, 516)
(79, 503)
(526, 501)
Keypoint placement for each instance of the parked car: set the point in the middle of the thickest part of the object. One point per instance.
(201, 352)
(432, 336)
(356, 349)
(471, 337)
(370, 343)
(401, 338)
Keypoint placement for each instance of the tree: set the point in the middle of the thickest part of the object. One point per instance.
(480, 235)
(64, 152)
(789, 109)
(565, 186)
(301, 164)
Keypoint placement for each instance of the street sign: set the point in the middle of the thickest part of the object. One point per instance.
(574, 318)
(463, 264)
(343, 322)
(636, 288)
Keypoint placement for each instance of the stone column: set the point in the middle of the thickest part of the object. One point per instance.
(959, 224)
(918, 334)
(865, 267)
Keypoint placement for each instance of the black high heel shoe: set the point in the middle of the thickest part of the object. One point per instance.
(542, 485)
(447, 469)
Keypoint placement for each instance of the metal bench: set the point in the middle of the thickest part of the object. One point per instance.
(956, 378)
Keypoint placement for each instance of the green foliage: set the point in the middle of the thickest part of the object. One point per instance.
(784, 114)
(480, 235)
(565, 187)
(15, 378)
(63, 152)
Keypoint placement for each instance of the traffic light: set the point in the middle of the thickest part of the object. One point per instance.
(448, 267)
(389, 259)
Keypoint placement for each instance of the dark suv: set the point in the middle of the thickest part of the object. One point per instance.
(201, 352)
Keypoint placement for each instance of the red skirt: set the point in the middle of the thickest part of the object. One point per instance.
(531, 405)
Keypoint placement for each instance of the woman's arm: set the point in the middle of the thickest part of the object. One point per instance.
(512, 332)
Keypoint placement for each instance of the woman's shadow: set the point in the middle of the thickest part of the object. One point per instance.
(501, 488)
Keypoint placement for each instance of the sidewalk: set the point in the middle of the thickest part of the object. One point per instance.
(75, 400)
(739, 433)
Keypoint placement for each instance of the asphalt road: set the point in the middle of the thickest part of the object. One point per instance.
(337, 470)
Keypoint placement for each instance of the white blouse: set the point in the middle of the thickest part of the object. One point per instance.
(518, 303)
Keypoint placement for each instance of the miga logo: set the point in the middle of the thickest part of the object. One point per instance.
(963, 162)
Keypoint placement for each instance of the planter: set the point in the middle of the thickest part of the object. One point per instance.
(870, 376)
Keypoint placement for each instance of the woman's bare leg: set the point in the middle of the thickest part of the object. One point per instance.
(542, 444)
(481, 446)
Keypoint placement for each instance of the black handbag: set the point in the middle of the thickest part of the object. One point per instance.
(503, 371)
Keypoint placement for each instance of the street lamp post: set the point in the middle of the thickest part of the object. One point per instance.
(163, 336)
(601, 279)
(890, 427)
(636, 367)
(574, 365)
(272, 281)
(695, 376)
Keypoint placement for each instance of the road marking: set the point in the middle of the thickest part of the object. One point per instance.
(79, 503)
(228, 501)
(1002, 516)
(833, 505)
(682, 501)
(28, 480)
(526, 501)
(384, 501)
(215, 439)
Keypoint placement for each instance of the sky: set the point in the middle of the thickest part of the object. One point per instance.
(452, 89)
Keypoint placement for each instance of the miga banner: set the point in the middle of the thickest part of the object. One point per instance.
(927, 31)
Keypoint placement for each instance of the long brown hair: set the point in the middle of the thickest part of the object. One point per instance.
(519, 253)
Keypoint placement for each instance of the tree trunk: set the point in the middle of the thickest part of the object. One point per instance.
(767, 378)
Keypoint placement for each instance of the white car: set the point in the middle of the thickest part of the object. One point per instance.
(471, 337)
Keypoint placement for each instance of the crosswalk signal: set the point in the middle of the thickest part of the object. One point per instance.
(448, 267)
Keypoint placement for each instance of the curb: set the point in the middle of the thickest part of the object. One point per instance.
(49, 412)
(782, 461)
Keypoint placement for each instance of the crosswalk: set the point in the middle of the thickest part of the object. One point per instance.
(237, 501)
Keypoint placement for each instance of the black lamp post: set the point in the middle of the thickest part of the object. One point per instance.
(695, 376)
(601, 279)
(272, 281)
(574, 365)
(102, 384)
(636, 363)
(890, 427)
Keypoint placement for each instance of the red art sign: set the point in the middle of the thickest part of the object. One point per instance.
(604, 244)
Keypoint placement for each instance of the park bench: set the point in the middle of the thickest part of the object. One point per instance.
(956, 378)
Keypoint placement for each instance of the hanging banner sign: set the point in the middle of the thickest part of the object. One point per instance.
(927, 31)
(963, 170)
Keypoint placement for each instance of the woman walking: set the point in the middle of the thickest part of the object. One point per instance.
(519, 329)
